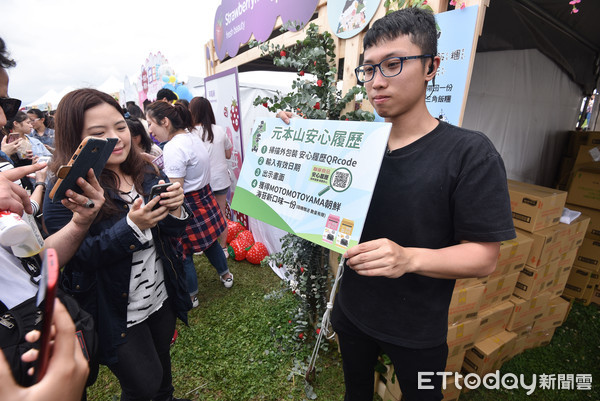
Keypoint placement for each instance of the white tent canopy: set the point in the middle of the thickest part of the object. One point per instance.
(48, 99)
(111, 85)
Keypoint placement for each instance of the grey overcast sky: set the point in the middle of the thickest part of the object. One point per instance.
(79, 43)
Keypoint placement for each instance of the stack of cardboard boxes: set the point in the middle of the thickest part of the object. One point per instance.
(519, 305)
(583, 186)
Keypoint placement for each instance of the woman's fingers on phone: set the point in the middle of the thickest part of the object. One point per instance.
(30, 356)
(32, 336)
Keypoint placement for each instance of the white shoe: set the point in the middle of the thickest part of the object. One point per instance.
(227, 282)
(195, 302)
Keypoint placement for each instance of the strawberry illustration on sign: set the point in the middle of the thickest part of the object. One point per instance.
(236, 250)
(257, 253)
(225, 113)
(235, 115)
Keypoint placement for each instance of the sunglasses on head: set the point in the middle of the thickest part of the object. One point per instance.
(10, 106)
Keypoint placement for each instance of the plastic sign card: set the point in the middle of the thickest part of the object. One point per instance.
(312, 178)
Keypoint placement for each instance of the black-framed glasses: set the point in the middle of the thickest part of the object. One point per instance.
(390, 67)
(10, 106)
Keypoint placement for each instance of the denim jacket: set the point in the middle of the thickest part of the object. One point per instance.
(98, 275)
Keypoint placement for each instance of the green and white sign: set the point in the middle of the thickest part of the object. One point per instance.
(312, 178)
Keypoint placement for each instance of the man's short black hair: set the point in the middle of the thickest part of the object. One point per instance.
(418, 24)
(168, 94)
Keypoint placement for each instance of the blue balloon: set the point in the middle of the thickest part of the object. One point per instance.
(184, 93)
(169, 86)
(165, 78)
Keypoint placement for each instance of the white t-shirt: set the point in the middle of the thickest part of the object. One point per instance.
(219, 174)
(185, 156)
(15, 285)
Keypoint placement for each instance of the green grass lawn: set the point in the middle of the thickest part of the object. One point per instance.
(233, 349)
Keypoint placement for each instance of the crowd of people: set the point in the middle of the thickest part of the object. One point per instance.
(439, 210)
(126, 258)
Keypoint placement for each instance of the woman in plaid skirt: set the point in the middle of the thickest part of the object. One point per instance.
(187, 162)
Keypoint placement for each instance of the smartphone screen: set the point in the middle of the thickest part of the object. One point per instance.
(157, 190)
(12, 138)
(45, 301)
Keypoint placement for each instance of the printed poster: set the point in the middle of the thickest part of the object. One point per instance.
(312, 178)
(222, 92)
(347, 18)
(455, 48)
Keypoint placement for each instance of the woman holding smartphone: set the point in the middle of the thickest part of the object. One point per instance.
(18, 130)
(126, 273)
(187, 162)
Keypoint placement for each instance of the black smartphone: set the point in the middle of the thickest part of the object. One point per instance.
(91, 153)
(45, 300)
(158, 189)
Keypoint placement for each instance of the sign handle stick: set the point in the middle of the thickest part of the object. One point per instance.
(326, 329)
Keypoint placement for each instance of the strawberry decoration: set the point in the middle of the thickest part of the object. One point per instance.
(235, 115)
(317, 105)
(266, 104)
(320, 82)
(233, 229)
(282, 53)
(225, 113)
(301, 73)
(236, 250)
(245, 238)
(257, 253)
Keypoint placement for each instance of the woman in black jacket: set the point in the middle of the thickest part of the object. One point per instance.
(126, 273)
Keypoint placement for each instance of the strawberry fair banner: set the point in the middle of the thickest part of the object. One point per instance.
(222, 91)
(237, 20)
(312, 178)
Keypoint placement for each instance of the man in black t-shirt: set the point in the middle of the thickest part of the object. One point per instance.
(439, 211)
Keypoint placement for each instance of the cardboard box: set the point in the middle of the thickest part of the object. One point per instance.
(527, 310)
(595, 299)
(494, 320)
(549, 243)
(519, 347)
(532, 281)
(489, 354)
(588, 255)
(575, 141)
(557, 287)
(539, 339)
(462, 336)
(498, 290)
(555, 315)
(535, 207)
(587, 156)
(513, 254)
(392, 390)
(592, 138)
(452, 391)
(465, 303)
(593, 230)
(563, 173)
(454, 363)
(584, 189)
(577, 282)
(469, 282)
